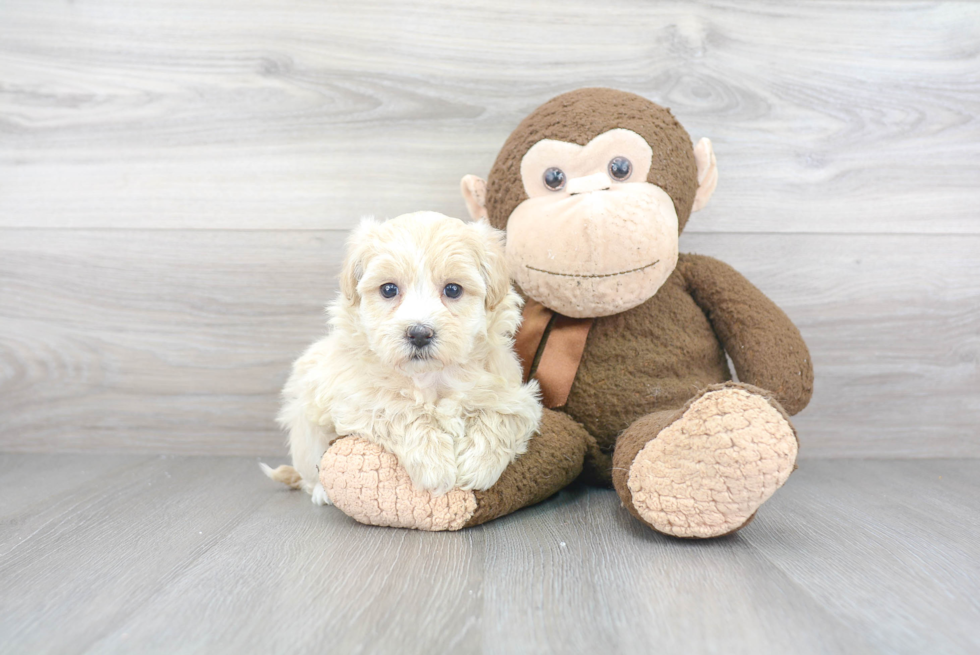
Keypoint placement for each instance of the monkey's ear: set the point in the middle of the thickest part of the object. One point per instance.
(704, 155)
(358, 246)
(475, 194)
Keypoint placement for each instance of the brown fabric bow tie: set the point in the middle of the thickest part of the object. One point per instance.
(561, 354)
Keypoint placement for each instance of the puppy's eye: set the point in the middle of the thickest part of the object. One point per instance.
(554, 179)
(620, 168)
(389, 290)
(453, 290)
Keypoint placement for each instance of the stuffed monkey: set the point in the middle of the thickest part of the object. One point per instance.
(626, 337)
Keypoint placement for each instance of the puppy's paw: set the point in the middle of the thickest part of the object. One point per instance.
(490, 443)
(319, 495)
(429, 458)
(480, 470)
(436, 475)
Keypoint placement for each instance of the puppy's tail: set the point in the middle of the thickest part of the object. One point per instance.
(285, 474)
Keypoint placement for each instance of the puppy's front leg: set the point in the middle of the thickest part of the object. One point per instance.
(491, 442)
(427, 454)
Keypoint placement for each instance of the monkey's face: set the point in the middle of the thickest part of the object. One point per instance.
(593, 237)
(593, 189)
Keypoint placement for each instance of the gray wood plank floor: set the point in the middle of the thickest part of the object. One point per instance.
(164, 554)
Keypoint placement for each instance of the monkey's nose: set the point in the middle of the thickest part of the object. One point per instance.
(420, 335)
(597, 182)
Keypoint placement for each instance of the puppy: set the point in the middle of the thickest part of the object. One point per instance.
(418, 359)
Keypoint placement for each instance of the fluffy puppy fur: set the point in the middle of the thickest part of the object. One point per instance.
(449, 402)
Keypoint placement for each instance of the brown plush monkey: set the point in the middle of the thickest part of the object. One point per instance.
(626, 337)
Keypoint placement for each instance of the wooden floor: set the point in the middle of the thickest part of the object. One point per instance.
(127, 553)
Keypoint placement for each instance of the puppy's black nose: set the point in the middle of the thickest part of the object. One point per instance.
(420, 335)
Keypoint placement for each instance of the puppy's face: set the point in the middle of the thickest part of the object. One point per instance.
(424, 287)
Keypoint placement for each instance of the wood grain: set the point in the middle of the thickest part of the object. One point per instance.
(315, 581)
(893, 530)
(204, 555)
(127, 340)
(31, 487)
(106, 547)
(855, 117)
(578, 574)
(176, 179)
(179, 341)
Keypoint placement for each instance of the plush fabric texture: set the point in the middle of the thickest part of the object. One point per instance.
(652, 408)
(367, 483)
(609, 245)
(707, 471)
(657, 355)
(554, 458)
(585, 165)
(766, 348)
(704, 155)
(597, 467)
(585, 271)
(653, 357)
(578, 117)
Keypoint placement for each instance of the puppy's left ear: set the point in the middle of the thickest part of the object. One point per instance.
(358, 246)
(492, 262)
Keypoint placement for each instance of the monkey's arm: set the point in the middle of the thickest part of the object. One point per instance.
(764, 345)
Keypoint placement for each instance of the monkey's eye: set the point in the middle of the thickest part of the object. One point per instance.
(554, 179)
(453, 290)
(389, 290)
(620, 168)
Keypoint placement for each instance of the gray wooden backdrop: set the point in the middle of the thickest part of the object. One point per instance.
(176, 180)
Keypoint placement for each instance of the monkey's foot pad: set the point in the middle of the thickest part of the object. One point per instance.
(367, 483)
(707, 473)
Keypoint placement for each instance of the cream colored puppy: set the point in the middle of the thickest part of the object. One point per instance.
(418, 359)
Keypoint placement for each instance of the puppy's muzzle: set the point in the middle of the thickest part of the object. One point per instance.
(420, 336)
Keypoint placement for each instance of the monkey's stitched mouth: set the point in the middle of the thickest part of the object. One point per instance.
(632, 270)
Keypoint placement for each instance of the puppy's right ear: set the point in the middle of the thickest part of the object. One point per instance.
(474, 191)
(358, 246)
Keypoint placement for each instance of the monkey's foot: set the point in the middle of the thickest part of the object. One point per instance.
(367, 483)
(706, 473)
